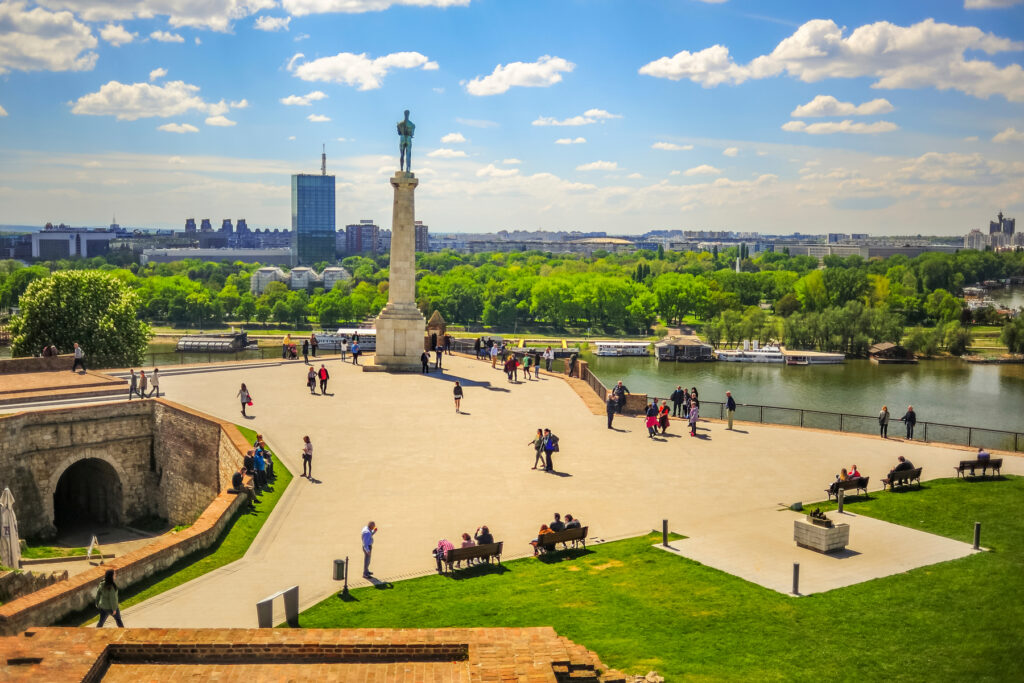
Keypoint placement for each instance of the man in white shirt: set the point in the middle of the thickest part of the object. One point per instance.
(368, 531)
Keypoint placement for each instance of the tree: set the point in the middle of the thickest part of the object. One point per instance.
(958, 338)
(942, 306)
(787, 305)
(246, 308)
(1013, 335)
(93, 308)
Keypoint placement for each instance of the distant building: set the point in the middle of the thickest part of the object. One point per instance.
(362, 237)
(976, 239)
(383, 241)
(241, 227)
(65, 242)
(422, 237)
(190, 226)
(272, 256)
(299, 278)
(313, 238)
(837, 237)
(859, 236)
(205, 226)
(226, 227)
(1002, 225)
(332, 275)
(259, 280)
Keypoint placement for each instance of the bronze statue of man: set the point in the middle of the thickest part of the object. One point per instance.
(406, 129)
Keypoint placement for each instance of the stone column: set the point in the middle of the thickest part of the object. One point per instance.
(400, 325)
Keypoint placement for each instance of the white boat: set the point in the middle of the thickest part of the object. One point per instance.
(752, 354)
(332, 340)
(813, 358)
(617, 348)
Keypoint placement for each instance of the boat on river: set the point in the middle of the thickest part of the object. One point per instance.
(331, 341)
(620, 348)
(750, 353)
(812, 357)
(216, 343)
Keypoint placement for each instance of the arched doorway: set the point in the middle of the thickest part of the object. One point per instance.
(88, 491)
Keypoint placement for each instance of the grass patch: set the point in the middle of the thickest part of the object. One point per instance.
(640, 608)
(231, 546)
(42, 552)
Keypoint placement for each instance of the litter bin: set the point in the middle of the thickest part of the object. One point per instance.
(339, 570)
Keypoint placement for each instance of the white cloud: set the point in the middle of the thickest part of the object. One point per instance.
(598, 166)
(303, 100)
(452, 138)
(303, 7)
(302, 36)
(178, 128)
(512, 162)
(3, 112)
(731, 151)
(445, 153)
(924, 55)
(198, 41)
(635, 176)
(240, 104)
(846, 126)
(826, 105)
(492, 171)
(212, 14)
(671, 147)
(971, 138)
(176, 160)
(1011, 134)
(990, 4)
(131, 101)
(266, 23)
(219, 121)
(477, 123)
(318, 118)
(157, 74)
(342, 139)
(117, 35)
(291, 137)
(166, 37)
(587, 118)
(676, 172)
(353, 69)
(37, 40)
(545, 72)
(570, 141)
(703, 169)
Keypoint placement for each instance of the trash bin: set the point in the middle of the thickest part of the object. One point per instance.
(339, 570)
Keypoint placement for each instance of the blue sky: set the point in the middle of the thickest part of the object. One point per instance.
(624, 116)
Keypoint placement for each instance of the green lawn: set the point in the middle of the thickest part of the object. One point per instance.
(39, 552)
(231, 546)
(640, 608)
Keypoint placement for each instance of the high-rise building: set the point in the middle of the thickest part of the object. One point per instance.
(422, 237)
(205, 226)
(1003, 225)
(362, 237)
(240, 227)
(313, 238)
(976, 239)
(226, 227)
(190, 226)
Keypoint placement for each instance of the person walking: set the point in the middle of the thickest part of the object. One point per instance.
(305, 351)
(549, 356)
(730, 407)
(494, 355)
(246, 398)
(367, 537)
(457, 392)
(651, 419)
(107, 600)
(477, 344)
(550, 446)
(663, 414)
(910, 419)
(425, 362)
(324, 376)
(538, 448)
(438, 352)
(883, 422)
(285, 344)
(155, 382)
(694, 414)
(143, 383)
(355, 353)
(526, 365)
(677, 401)
(344, 349)
(611, 406)
(311, 381)
(307, 457)
(314, 344)
(79, 358)
(133, 385)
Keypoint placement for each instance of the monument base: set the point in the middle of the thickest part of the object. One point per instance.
(399, 338)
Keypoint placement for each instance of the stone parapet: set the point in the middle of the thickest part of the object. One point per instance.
(37, 364)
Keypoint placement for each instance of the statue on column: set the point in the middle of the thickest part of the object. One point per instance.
(406, 129)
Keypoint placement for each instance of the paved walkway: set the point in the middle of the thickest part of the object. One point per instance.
(391, 448)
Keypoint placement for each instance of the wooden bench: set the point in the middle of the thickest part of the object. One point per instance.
(857, 483)
(902, 478)
(994, 464)
(484, 551)
(575, 536)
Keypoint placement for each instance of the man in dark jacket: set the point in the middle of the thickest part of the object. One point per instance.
(620, 392)
(611, 407)
(910, 419)
(730, 407)
(324, 376)
(677, 402)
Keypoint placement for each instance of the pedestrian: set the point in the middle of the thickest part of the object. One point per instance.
(314, 344)
(611, 406)
(651, 419)
(457, 392)
(307, 457)
(883, 422)
(477, 345)
(324, 376)
(620, 392)
(693, 395)
(677, 401)
(155, 381)
(355, 353)
(730, 407)
(260, 464)
(694, 414)
(910, 419)
(663, 417)
(438, 352)
(550, 446)
(527, 360)
(425, 362)
(494, 355)
(538, 448)
(448, 344)
(143, 383)
(344, 349)
(107, 601)
(515, 368)
(246, 398)
(79, 358)
(368, 532)
(549, 356)
(285, 345)
(305, 351)
(311, 381)
(133, 385)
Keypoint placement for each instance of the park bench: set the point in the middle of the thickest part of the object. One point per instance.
(857, 483)
(484, 551)
(574, 536)
(902, 478)
(994, 464)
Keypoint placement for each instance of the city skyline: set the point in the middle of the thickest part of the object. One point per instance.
(619, 117)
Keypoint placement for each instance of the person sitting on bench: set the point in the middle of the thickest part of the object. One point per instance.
(903, 464)
(441, 552)
(483, 536)
(842, 476)
(854, 472)
(536, 543)
(982, 454)
(571, 522)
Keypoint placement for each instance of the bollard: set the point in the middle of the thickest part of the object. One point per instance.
(839, 499)
(664, 532)
(977, 535)
(796, 578)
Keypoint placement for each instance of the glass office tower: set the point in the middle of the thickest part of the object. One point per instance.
(313, 236)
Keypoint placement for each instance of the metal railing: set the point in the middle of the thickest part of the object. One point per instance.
(865, 424)
(161, 358)
(597, 385)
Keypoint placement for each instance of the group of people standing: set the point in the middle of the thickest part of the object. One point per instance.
(544, 444)
(138, 384)
(909, 419)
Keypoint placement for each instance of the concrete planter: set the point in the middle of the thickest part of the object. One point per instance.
(824, 540)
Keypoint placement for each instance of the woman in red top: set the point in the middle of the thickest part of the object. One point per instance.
(663, 416)
(853, 473)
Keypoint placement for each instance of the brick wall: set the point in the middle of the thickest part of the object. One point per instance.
(30, 364)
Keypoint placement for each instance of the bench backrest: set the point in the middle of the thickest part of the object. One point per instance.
(563, 536)
(483, 550)
(906, 474)
(996, 463)
(855, 483)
